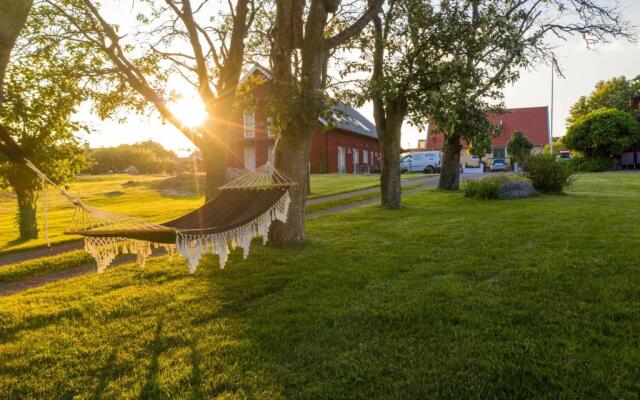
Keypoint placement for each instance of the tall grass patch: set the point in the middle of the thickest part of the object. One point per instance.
(488, 188)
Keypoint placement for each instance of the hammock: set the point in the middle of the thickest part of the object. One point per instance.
(244, 210)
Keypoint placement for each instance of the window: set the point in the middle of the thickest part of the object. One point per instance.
(499, 153)
(342, 160)
(271, 156)
(356, 160)
(269, 127)
(249, 125)
(250, 157)
(365, 157)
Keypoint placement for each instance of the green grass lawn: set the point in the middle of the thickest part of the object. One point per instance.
(328, 184)
(448, 298)
(125, 194)
(139, 196)
(43, 266)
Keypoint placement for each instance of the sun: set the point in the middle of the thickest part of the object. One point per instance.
(189, 110)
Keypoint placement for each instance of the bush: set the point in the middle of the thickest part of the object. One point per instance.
(487, 188)
(147, 157)
(590, 164)
(547, 175)
(603, 133)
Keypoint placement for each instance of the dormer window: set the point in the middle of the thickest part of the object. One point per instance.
(249, 125)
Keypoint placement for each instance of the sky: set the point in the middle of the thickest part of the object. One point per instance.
(581, 67)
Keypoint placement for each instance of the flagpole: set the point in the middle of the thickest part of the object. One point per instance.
(553, 65)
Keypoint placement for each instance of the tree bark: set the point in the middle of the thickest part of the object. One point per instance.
(292, 152)
(26, 218)
(450, 173)
(214, 163)
(389, 112)
(301, 96)
(390, 188)
(13, 15)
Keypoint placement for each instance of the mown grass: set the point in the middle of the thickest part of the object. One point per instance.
(138, 196)
(312, 208)
(330, 184)
(43, 266)
(125, 194)
(447, 298)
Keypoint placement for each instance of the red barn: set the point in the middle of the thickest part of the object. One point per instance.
(347, 144)
(533, 122)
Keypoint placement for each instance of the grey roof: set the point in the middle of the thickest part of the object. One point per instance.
(344, 117)
(349, 119)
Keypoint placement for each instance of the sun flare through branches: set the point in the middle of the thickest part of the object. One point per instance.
(189, 110)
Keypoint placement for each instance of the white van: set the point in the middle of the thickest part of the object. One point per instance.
(421, 161)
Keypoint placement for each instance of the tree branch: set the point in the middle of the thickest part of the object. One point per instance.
(201, 65)
(355, 28)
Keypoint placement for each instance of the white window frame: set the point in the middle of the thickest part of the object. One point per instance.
(365, 157)
(246, 159)
(249, 122)
(270, 127)
(499, 147)
(356, 160)
(342, 160)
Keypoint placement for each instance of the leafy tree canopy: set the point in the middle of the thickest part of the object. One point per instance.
(603, 133)
(147, 157)
(479, 146)
(43, 89)
(42, 92)
(519, 147)
(614, 93)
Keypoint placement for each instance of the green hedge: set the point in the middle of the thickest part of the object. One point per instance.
(590, 164)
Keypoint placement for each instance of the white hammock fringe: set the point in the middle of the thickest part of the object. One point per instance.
(192, 246)
(105, 249)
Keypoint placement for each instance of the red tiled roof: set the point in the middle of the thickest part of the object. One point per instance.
(532, 121)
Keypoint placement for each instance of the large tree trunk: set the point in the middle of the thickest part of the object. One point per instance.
(389, 113)
(214, 163)
(450, 173)
(13, 14)
(26, 218)
(213, 147)
(302, 95)
(390, 188)
(291, 157)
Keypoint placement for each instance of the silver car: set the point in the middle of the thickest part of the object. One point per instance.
(499, 164)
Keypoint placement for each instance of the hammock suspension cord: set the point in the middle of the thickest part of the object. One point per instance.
(245, 209)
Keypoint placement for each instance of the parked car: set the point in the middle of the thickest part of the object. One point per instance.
(564, 155)
(422, 161)
(499, 164)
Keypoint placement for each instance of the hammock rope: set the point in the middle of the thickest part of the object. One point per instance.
(244, 210)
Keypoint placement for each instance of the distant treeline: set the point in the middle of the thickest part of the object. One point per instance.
(146, 157)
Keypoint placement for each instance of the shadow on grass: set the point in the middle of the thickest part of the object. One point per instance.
(196, 375)
(38, 322)
(151, 389)
(106, 376)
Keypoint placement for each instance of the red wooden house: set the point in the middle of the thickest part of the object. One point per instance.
(346, 144)
(533, 122)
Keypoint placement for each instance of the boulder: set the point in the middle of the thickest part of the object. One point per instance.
(516, 189)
